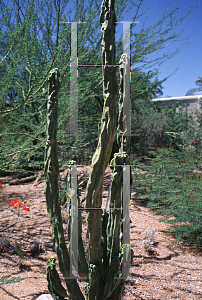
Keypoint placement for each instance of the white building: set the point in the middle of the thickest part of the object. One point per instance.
(193, 98)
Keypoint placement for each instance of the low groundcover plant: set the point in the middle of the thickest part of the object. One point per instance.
(4, 279)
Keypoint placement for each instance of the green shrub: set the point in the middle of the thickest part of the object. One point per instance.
(171, 187)
(151, 125)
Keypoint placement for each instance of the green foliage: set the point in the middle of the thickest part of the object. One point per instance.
(199, 81)
(21, 101)
(19, 251)
(171, 186)
(4, 279)
(146, 87)
(34, 39)
(154, 127)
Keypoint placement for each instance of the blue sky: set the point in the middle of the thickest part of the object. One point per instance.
(187, 65)
(189, 61)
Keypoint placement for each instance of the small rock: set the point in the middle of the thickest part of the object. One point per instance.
(45, 297)
(4, 244)
(37, 247)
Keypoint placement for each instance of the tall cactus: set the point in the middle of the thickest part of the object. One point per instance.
(105, 252)
(108, 124)
(97, 287)
(105, 261)
(51, 190)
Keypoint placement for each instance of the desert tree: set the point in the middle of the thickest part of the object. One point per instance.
(36, 38)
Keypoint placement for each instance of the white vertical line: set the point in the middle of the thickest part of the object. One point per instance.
(73, 82)
(126, 82)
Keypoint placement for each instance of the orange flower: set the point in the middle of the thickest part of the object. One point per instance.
(1, 184)
(15, 203)
(26, 208)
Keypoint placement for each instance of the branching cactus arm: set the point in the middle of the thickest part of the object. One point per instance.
(123, 130)
(113, 250)
(102, 153)
(52, 193)
(106, 139)
(82, 264)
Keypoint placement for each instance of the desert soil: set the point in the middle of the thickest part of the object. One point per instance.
(168, 271)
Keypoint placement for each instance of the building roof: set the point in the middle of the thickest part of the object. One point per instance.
(194, 91)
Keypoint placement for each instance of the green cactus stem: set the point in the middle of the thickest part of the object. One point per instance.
(51, 172)
(82, 264)
(55, 287)
(101, 156)
(114, 253)
(123, 130)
